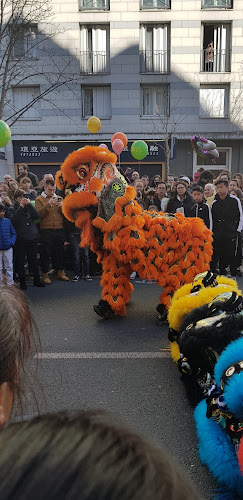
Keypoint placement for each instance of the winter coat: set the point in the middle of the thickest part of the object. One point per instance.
(203, 211)
(23, 221)
(7, 234)
(227, 217)
(175, 203)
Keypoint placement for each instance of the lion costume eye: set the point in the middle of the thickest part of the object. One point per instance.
(229, 372)
(83, 171)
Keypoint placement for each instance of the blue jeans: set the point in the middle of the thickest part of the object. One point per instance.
(79, 253)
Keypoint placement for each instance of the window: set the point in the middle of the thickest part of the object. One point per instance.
(22, 96)
(217, 4)
(94, 5)
(95, 49)
(96, 101)
(216, 47)
(154, 48)
(221, 163)
(214, 101)
(25, 45)
(154, 4)
(155, 100)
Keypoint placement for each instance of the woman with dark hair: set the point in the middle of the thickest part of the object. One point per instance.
(16, 332)
(238, 177)
(23, 220)
(155, 179)
(85, 457)
(180, 200)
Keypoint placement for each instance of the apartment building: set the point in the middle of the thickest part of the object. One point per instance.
(153, 69)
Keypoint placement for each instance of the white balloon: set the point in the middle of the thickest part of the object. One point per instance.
(207, 146)
(214, 152)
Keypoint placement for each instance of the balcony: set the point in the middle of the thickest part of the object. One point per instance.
(217, 4)
(217, 61)
(154, 61)
(154, 4)
(94, 62)
(94, 5)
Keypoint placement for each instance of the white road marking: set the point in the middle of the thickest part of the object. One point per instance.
(103, 355)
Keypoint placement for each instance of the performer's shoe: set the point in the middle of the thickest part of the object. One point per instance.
(104, 310)
(162, 316)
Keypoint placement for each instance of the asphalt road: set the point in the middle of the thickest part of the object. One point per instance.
(143, 389)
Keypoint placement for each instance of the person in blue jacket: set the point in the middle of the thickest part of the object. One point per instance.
(7, 240)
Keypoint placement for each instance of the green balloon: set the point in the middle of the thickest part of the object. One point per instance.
(139, 150)
(5, 134)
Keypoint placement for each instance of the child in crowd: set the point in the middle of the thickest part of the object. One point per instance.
(200, 208)
(7, 240)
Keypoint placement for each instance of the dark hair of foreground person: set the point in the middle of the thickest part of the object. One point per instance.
(16, 333)
(85, 457)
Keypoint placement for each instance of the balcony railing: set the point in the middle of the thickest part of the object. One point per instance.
(215, 61)
(154, 61)
(95, 62)
(217, 4)
(154, 4)
(94, 5)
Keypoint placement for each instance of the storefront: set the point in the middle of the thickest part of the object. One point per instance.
(47, 156)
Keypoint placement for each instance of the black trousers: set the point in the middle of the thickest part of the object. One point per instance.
(28, 248)
(224, 251)
(52, 245)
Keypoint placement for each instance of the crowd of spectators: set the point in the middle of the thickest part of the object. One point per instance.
(38, 233)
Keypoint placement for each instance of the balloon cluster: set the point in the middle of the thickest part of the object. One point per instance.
(118, 142)
(139, 149)
(5, 134)
(204, 147)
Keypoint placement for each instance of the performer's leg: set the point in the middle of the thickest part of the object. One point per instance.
(116, 286)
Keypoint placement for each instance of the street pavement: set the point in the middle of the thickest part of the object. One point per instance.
(120, 365)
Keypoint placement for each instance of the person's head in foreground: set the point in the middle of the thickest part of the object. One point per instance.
(85, 457)
(16, 327)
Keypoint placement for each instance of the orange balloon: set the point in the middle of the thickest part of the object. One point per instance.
(121, 136)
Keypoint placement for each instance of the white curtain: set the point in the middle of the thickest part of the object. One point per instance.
(99, 49)
(154, 48)
(160, 48)
(102, 101)
(221, 47)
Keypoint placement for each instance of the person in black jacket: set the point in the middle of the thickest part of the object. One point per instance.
(227, 223)
(200, 208)
(180, 201)
(27, 233)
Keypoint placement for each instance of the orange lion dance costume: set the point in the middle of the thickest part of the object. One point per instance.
(170, 249)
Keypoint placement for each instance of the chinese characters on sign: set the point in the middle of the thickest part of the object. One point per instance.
(37, 150)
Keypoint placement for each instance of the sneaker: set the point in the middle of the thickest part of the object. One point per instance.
(52, 271)
(88, 278)
(133, 275)
(75, 278)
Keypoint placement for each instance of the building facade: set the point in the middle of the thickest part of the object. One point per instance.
(154, 69)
